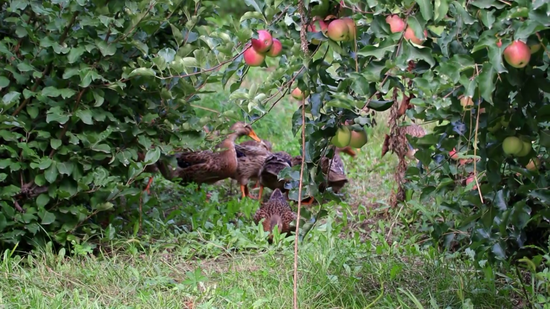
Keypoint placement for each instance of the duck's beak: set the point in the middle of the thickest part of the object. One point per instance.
(255, 137)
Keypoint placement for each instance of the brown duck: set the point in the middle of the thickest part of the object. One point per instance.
(336, 176)
(276, 212)
(208, 166)
(250, 157)
(271, 167)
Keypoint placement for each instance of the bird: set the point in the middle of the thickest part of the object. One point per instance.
(275, 212)
(211, 166)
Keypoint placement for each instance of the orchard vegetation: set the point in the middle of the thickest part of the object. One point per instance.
(95, 91)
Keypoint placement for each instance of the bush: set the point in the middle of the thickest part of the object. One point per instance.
(86, 86)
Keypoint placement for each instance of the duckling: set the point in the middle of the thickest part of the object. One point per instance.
(209, 167)
(276, 212)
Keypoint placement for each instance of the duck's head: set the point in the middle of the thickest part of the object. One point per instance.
(242, 129)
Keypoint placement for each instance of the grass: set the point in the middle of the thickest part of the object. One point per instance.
(198, 254)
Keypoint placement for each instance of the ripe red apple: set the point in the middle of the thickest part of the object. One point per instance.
(351, 28)
(263, 42)
(469, 180)
(467, 103)
(517, 54)
(317, 25)
(396, 23)
(298, 94)
(252, 57)
(409, 35)
(499, 43)
(453, 154)
(533, 165)
(276, 48)
(338, 30)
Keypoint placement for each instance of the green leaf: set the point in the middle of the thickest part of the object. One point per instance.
(45, 162)
(142, 72)
(486, 4)
(65, 168)
(47, 217)
(70, 72)
(32, 111)
(466, 17)
(75, 54)
(106, 49)
(4, 82)
(50, 91)
(377, 52)
(10, 98)
(360, 84)
(495, 55)
(487, 18)
(426, 9)
(441, 9)
(177, 34)
(253, 4)
(167, 54)
(486, 82)
(98, 97)
(152, 156)
(102, 148)
(55, 143)
(527, 29)
(380, 106)
(103, 206)
(51, 173)
(56, 114)
(25, 67)
(42, 200)
(85, 115)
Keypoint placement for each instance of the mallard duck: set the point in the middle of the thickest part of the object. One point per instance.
(275, 212)
(250, 158)
(208, 166)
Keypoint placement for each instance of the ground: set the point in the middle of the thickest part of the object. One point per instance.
(198, 254)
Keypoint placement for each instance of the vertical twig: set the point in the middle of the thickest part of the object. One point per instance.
(303, 41)
(299, 204)
(475, 153)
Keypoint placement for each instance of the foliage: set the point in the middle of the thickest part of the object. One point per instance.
(87, 85)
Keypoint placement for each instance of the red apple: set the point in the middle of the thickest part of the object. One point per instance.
(338, 30)
(253, 58)
(317, 25)
(409, 35)
(396, 23)
(467, 103)
(499, 43)
(517, 54)
(453, 154)
(276, 48)
(351, 28)
(298, 94)
(263, 42)
(469, 180)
